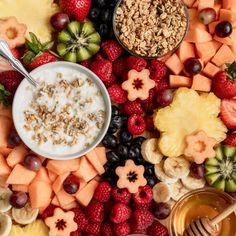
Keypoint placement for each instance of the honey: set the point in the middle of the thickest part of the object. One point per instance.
(201, 203)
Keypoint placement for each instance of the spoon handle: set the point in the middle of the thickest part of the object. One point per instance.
(6, 53)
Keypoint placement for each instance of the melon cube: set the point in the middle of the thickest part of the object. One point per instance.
(201, 83)
(212, 26)
(174, 64)
(94, 160)
(101, 153)
(5, 124)
(17, 155)
(227, 15)
(3, 182)
(55, 201)
(217, 8)
(21, 175)
(194, 20)
(227, 4)
(5, 170)
(58, 183)
(205, 4)
(5, 151)
(64, 198)
(40, 194)
(223, 56)
(42, 175)
(189, 3)
(20, 188)
(70, 206)
(210, 70)
(185, 51)
(195, 5)
(193, 14)
(177, 81)
(52, 176)
(43, 208)
(226, 40)
(5, 111)
(197, 35)
(233, 47)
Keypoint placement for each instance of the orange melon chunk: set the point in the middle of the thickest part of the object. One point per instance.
(195, 5)
(227, 4)
(86, 194)
(189, 3)
(177, 81)
(210, 70)
(57, 185)
(232, 47)
(101, 153)
(227, 15)
(86, 171)
(40, 194)
(227, 40)
(5, 124)
(21, 175)
(5, 151)
(224, 55)
(55, 201)
(64, 198)
(5, 170)
(217, 8)
(197, 35)
(3, 182)
(20, 188)
(194, 21)
(52, 176)
(70, 206)
(5, 111)
(94, 160)
(17, 155)
(42, 175)
(174, 64)
(201, 83)
(41, 209)
(212, 26)
(205, 4)
(60, 167)
(185, 51)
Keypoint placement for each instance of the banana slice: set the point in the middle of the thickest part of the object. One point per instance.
(176, 167)
(161, 192)
(5, 194)
(150, 151)
(25, 215)
(191, 183)
(160, 174)
(178, 190)
(171, 203)
(5, 224)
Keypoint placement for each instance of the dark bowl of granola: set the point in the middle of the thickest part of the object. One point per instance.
(150, 29)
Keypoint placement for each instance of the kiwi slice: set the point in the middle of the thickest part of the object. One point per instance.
(78, 42)
(221, 170)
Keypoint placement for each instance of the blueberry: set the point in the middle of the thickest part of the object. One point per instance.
(122, 151)
(111, 179)
(111, 130)
(112, 3)
(105, 16)
(115, 110)
(151, 180)
(139, 140)
(112, 157)
(124, 119)
(134, 152)
(94, 13)
(101, 3)
(139, 161)
(103, 30)
(116, 122)
(149, 168)
(125, 136)
(109, 141)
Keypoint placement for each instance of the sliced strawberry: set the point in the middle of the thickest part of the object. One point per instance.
(231, 140)
(228, 113)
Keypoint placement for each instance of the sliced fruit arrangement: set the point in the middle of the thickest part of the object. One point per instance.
(78, 42)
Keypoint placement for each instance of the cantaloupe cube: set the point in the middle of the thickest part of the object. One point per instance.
(174, 64)
(86, 171)
(101, 153)
(210, 70)
(5, 170)
(70, 206)
(194, 20)
(55, 201)
(60, 167)
(41, 209)
(233, 36)
(189, 3)
(3, 181)
(205, 4)
(226, 40)
(5, 151)
(217, 8)
(21, 175)
(42, 175)
(224, 55)
(58, 183)
(201, 83)
(197, 35)
(193, 14)
(195, 5)
(227, 15)
(233, 47)
(64, 198)
(227, 4)
(40, 194)
(5, 111)
(212, 26)
(17, 155)
(5, 124)
(185, 51)
(86, 194)
(20, 188)
(177, 81)
(94, 160)
(52, 176)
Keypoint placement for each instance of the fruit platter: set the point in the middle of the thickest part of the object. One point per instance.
(130, 121)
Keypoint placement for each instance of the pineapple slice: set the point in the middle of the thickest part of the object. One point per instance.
(35, 14)
(188, 112)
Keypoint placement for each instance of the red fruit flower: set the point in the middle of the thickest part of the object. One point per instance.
(112, 49)
(117, 94)
(136, 124)
(133, 107)
(120, 213)
(136, 63)
(121, 195)
(103, 192)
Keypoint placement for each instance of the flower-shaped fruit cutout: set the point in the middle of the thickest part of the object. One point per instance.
(138, 84)
(13, 32)
(61, 223)
(199, 147)
(130, 176)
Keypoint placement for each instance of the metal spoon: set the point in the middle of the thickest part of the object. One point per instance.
(6, 53)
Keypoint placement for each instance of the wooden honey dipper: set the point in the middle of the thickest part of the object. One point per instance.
(206, 227)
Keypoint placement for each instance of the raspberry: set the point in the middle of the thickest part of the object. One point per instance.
(143, 196)
(80, 218)
(111, 81)
(121, 195)
(124, 75)
(120, 213)
(92, 228)
(161, 83)
(142, 219)
(49, 211)
(103, 192)
(136, 124)
(133, 107)
(149, 104)
(151, 96)
(95, 211)
(107, 207)
(136, 63)
(75, 233)
(117, 94)
(112, 49)
(138, 231)
(86, 63)
(157, 67)
(106, 229)
(149, 123)
(119, 66)
(122, 229)
(146, 206)
(157, 229)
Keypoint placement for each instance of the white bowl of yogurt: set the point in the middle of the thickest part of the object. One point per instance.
(67, 115)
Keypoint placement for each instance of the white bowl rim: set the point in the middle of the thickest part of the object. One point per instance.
(19, 95)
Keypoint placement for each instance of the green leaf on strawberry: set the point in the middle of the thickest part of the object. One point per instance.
(4, 94)
(231, 70)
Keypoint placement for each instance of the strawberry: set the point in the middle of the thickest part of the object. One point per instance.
(119, 66)
(133, 107)
(136, 63)
(37, 53)
(230, 140)
(117, 94)
(157, 229)
(112, 49)
(16, 53)
(76, 9)
(228, 113)
(223, 84)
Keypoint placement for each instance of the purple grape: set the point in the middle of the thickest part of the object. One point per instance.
(207, 15)
(197, 171)
(59, 21)
(161, 210)
(13, 138)
(18, 199)
(71, 184)
(32, 162)
(192, 66)
(164, 97)
(224, 29)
